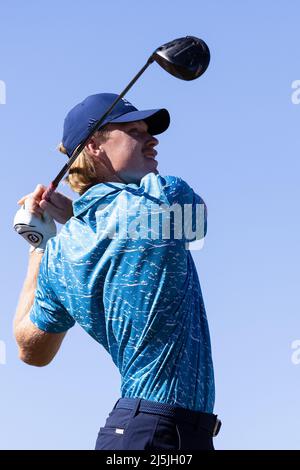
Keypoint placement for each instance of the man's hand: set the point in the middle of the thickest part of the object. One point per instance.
(60, 206)
(34, 221)
(36, 229)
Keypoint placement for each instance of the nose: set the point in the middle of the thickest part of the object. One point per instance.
(152, 141)
(149, 144)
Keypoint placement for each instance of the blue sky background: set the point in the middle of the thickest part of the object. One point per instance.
(234, 137)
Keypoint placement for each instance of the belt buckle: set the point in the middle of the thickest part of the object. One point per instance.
(217, 427)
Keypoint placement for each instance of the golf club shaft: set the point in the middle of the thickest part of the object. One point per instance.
(53, 185)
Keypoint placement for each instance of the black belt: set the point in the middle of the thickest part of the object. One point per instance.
(208, 421)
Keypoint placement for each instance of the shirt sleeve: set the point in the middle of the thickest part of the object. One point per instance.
(193, 209)
(47, 312)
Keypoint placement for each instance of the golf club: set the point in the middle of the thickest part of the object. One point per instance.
(186, 58)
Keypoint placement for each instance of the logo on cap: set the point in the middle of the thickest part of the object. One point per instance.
(92, 122)
(126, 102)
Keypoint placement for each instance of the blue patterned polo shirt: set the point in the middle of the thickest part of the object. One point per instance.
(133, 286)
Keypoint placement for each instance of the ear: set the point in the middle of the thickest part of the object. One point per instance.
(93, 147)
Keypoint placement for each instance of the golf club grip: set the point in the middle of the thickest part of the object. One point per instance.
(47, 194)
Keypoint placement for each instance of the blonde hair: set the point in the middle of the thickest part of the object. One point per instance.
(83, 173)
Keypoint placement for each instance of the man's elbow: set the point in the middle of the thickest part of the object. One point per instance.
(34, 359)
(36, 347)
(27, 350)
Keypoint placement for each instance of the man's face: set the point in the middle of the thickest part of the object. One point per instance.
(130, 151)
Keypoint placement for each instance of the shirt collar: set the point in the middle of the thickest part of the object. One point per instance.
(95, 194)
(102, 190)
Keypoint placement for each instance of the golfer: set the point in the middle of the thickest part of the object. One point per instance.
(117, 270)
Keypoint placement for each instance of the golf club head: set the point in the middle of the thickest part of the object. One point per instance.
(186, 58)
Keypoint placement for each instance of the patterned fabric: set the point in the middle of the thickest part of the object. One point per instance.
(138, 297)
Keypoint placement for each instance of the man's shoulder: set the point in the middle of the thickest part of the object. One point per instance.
(169, 188)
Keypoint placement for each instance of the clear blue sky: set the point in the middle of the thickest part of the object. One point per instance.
(234, 136)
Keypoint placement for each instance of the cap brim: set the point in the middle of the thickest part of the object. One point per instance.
(158, 120)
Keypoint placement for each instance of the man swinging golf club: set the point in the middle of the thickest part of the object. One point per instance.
(133, 289)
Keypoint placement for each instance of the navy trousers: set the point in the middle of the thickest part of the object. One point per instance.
(137, 424)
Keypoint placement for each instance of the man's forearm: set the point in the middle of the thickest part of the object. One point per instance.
(28, 292)
(36, 347)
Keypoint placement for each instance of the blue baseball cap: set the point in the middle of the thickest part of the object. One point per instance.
(81, 119)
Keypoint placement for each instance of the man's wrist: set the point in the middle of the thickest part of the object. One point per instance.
(33, 250)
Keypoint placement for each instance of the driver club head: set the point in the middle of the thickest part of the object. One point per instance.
(186, 58)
